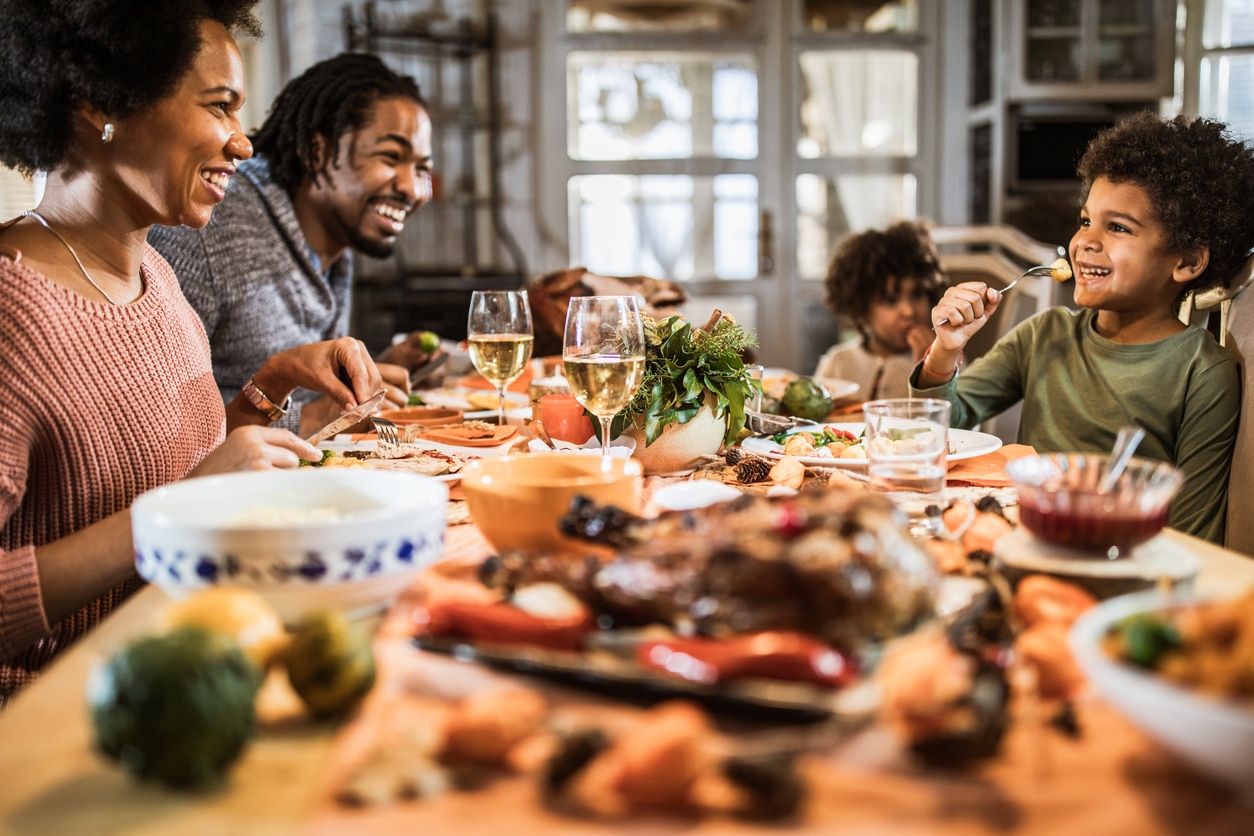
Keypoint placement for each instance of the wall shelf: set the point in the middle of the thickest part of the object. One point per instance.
(458, 242)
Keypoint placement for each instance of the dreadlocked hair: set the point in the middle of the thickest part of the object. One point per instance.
(1198, 177)
(330, 99)
(119, 56)
(872, 265)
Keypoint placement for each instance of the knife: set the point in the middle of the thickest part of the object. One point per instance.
(362, 410)
(424, 371)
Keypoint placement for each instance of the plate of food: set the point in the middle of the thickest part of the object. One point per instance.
(840, 444)
(467, 398)
(423, 459)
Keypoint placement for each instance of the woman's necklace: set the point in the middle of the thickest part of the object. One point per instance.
(33, 214)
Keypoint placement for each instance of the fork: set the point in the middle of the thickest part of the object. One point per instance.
(389, 436)
(1040, 270)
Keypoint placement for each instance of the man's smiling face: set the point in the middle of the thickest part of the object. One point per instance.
(381, 174)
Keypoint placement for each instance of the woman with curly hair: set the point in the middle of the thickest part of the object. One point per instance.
(885, 283)
(1165, 210)
(132, 110)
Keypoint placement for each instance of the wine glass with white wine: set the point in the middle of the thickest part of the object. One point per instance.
(500, 336)
(603, 355)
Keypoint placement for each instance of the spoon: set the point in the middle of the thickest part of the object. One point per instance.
(1125, 445)
(537, 427)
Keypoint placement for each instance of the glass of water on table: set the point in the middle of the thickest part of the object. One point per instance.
(907, 445)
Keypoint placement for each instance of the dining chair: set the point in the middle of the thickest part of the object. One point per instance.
(1234, 306)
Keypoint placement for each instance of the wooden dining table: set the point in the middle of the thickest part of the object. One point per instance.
(1109, 779)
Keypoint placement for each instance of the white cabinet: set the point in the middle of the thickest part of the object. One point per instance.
(1089, 50)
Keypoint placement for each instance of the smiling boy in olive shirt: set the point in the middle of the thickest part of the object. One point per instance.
(1166, 210)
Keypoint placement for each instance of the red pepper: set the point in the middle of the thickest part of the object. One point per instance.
(503, 623)
(773, 654)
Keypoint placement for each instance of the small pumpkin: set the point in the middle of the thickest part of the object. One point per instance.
(330, 663)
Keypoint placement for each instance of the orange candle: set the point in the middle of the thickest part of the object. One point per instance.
(564, 418)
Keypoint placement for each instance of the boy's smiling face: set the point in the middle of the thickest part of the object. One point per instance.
(1120, 255)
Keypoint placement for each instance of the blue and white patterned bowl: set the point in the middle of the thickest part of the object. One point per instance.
(295, 536)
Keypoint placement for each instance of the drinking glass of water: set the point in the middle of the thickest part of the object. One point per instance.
(907, 444)
(603, 355)
(500, 337)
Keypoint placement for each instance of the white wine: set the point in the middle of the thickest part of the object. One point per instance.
(501, 358)
(604, 384)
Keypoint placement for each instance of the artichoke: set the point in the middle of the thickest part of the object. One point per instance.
(807, 398)
(330, 663)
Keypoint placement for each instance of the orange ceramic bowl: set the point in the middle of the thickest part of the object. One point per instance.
(428, 416)
(517, 500)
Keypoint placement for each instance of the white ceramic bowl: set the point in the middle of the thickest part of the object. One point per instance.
(305, 539)
(1214, 736)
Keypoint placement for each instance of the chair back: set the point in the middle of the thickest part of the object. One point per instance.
(1235, 306)
(995, 255)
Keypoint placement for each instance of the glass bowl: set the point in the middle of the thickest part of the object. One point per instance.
(1059, 500)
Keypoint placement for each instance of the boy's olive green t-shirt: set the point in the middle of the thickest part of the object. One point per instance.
(1079, 388)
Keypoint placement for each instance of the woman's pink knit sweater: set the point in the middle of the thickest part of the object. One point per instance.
(98, 403)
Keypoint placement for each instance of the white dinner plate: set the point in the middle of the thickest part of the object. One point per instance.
(963, 444)
(454, 397)
(775, 380)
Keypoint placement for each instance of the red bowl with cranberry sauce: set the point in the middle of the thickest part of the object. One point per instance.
(1059, 500)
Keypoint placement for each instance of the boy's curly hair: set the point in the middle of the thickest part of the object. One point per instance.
(1199, 179)
(329, 99)
(117, 55)
(870, 266)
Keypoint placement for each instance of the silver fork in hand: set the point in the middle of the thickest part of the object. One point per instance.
(1041, 270)
(389, 436)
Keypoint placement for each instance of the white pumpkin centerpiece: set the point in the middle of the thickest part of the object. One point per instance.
(692, 401)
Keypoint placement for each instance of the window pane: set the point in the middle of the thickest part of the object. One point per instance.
(859, 103)
(600, 16)
(1228, 23)
(828, 209)
(666, 226)
(883, 16)
(638, 106)
(1227, 91)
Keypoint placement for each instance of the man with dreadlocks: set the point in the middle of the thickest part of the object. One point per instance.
(343, 159)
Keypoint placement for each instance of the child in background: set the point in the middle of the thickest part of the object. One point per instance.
(1166, 209)
(885, 283)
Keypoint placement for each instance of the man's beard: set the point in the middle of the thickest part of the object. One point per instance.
(374, 247)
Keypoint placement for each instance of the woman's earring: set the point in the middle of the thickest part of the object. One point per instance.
(106, 136)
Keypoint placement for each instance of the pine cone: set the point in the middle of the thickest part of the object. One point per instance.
(753, 469)
(733, 455)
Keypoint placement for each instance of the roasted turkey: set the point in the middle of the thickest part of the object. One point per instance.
(832, 563)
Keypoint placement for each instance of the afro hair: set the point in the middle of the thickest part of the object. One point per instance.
(119, 56)
(1199, 179)
(871, 265)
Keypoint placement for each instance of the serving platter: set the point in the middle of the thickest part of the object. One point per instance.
(963, 444)
(608, 665)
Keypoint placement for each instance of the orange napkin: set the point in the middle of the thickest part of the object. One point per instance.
(460, 436)
(989, 470)
(474, 380)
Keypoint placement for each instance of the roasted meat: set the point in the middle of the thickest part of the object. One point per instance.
(831, 563)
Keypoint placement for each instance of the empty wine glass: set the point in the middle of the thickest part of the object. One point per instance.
(603, 355)
(500, 337)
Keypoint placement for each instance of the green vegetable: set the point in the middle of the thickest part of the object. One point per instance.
(807, 398)
(415, 399)
(330, 663)
(176, 707)
(897, 434)
(682, 367)
(326, 454)
(429, 342)
(1146, 638)
(771, 405)
(827, 435)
